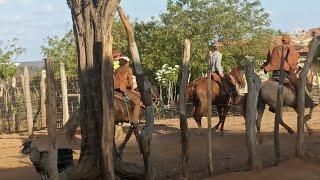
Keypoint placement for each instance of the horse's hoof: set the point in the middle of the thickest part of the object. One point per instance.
(310, 132)
(119, 154)
(199, 133)
(307, 117)
(221, 133)
(291, 132)
(260, 141)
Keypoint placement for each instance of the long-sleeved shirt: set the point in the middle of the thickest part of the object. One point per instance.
(215, 62)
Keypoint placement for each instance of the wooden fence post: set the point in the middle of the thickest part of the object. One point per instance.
(301, 98)
(209, 114)
(254, 83)
(145, 89)
(43, 99)
(183, 118)
(28, 101)
(64, 92)
(52, 120)
(13, 104)
(278, 115)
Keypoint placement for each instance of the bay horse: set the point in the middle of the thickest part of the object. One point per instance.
(268, 96)
(197, 94)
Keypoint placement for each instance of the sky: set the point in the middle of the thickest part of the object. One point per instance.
(31, 21)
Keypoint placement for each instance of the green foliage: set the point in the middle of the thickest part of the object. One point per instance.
(240, 25)
(7, 54)
(62, 50)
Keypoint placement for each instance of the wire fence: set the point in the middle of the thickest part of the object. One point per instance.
(13, 111)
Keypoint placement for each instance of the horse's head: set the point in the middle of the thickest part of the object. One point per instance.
(237, 75)
(235, 80)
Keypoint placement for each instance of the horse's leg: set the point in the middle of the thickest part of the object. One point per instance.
(196, 115)
(222, 112)
(307, 118)
(137, 134)
(283, 124)
(126, 139)
(261, 107)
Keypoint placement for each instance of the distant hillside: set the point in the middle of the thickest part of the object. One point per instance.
(34, 67)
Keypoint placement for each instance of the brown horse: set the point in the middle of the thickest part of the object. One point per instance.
(197, 94)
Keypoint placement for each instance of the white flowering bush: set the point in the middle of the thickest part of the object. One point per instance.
(167, 78)
(167, 75)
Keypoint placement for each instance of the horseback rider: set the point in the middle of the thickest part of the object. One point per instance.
(216, 67)
(123, 82)
(290, 64)
(116, 55)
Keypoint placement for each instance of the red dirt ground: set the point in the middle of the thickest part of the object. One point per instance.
(229, 151)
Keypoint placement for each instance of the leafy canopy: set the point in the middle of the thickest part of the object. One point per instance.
(242, 27)
(62, 50)
(9, 52)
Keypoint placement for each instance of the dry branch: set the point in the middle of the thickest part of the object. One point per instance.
(145, 89)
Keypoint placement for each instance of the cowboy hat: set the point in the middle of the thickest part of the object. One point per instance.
(124, 58)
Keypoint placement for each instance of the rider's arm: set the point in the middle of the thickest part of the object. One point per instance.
(130, 79)
(218, 64)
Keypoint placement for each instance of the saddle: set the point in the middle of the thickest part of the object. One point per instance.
(286, 82)
(121, 96)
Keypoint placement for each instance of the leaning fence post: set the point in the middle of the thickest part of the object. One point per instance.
(28, 101)
(301, 98)
(43, 99)
(254, 83)
(183, 118)
(64, 90)
(52, 120)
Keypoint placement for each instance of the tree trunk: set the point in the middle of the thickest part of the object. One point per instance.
(145, 89)
(28, 101)
(92, 27)
(279, 105)
(183, 118)
(52, 120)
(301, 98)
(43, 99)
(254, 83)
(64, 92)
